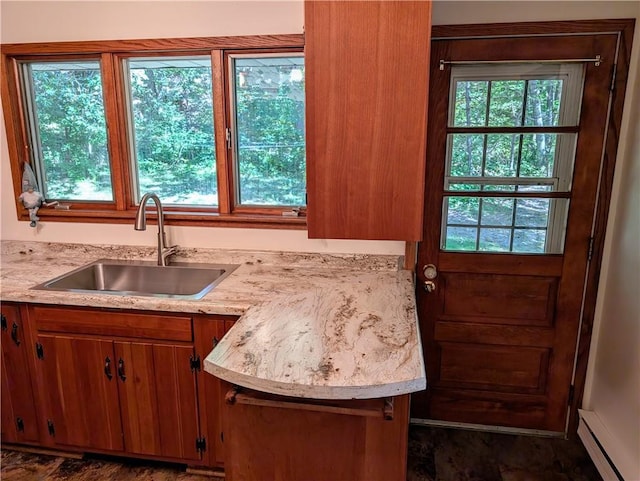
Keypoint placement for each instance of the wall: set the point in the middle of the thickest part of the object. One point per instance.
(26, 21)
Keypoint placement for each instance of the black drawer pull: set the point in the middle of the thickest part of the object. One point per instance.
(121, 370)
(14, 334)
(107, 368)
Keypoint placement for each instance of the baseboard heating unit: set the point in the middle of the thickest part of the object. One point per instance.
(601, 446)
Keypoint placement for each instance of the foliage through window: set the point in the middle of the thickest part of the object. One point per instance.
(508, 151)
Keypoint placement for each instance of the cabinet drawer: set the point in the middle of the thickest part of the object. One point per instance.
(112, 323)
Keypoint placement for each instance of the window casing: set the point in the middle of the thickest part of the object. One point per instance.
(201, 168)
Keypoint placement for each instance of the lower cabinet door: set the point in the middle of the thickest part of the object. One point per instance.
(79, 386)
(18, 411)
(158, 399)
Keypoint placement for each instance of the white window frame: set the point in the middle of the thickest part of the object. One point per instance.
(572, 75)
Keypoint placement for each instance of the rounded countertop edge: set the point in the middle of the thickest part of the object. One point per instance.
(317, 391)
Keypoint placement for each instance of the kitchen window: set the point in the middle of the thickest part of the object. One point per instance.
(214, 126)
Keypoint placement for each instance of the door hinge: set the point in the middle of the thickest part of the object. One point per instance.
(51, 428)
(227, 133)
(39, 351)
(201, 444)
(590, 251)
(194, 362)
(572, 392)
(19, 424)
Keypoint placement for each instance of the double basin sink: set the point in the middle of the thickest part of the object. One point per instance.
(142, 278)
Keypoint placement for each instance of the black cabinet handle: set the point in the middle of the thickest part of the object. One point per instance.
(107, 368)
(121, 370)
(14, 334)
(215, 341)
(3, 322)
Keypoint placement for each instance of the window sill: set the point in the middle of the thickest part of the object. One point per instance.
(173, 218)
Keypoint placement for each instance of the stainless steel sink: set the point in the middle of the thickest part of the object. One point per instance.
(141, 278)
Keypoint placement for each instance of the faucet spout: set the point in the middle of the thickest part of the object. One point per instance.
(141, 224)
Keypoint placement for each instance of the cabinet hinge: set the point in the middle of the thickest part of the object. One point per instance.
(19, 424)
(572, 392)
(590, 251)
(201, 444)
(51, 428)
(39, 351)
(195, 362)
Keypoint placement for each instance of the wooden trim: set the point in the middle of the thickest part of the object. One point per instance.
(13, 120)
(625, 29)
(181, 219)
(563, 27)
(410, 256)
(220, 126)
(496, 263)
(111, 112)
(155, 44)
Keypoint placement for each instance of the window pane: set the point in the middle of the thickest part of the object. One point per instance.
(505, 107)
(538, 155)
(502, 155)
(69, 130)
(461, 238)
(269, 108)
(463, 210)
(466, 155)
(494, 240)
(531, 241)
(532, 212)
(471, 103)
(496, 211)
(172, 122)
(543, 102)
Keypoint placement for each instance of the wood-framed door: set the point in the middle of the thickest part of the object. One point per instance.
(500, 320)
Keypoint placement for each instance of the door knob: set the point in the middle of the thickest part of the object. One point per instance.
(430, 272)
(429, 286)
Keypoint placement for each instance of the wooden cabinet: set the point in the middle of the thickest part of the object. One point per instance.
(127, 382)
(19, 421)
(366, 75)
(280, 438)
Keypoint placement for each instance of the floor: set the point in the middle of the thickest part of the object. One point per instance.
(435, 454)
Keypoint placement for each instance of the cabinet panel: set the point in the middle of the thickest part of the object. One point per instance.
(19, 422)
(112, 323)
(158, 399)
(272, 437)
(366, 75)
(80, 391)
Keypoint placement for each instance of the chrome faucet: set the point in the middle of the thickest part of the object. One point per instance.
(141, 224)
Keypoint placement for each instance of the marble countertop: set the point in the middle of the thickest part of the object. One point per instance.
(312, 325)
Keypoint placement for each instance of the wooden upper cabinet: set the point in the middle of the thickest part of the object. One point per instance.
(367, 78)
